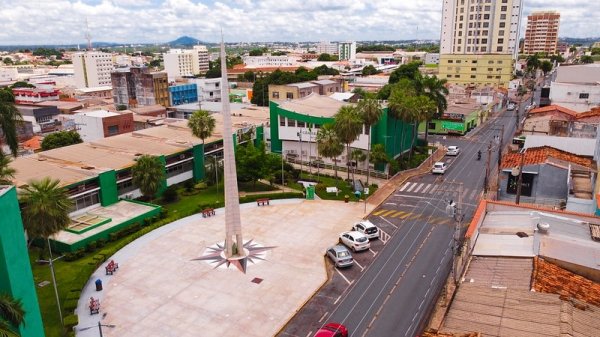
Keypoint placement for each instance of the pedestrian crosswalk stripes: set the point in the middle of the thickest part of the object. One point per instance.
(402, 215)
(411, 187)
(388, 213)
(404, 187)
(426, 188)
(418, 188)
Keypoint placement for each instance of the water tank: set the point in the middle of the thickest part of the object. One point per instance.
(543, 227)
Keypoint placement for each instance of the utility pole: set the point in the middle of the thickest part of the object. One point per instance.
(300, 138)
(454, 211)
(500, 141)
(520, 181)
(487, 168)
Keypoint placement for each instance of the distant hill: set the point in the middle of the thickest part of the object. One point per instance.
(575, 40)
(186, 41)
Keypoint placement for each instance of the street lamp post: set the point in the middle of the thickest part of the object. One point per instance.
(300, 138)
(50, 262)
(217, 174)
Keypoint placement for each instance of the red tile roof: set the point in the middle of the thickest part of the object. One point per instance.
(552, 279)
(592, 113)
(554, 108)
(538, 155)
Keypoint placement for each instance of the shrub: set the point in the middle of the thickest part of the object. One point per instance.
(200, 186)
(90, 247)
(70, 305)
(113, 236)
(71, 321)
(163, 213)
(69, 257)
(170, 194)
(188, 185)
(101, 243)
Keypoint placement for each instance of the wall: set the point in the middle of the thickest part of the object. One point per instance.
(458, 69)
(90, 128)
(123, 122)
(567, 95)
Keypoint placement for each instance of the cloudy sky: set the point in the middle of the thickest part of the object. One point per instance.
(63, 21)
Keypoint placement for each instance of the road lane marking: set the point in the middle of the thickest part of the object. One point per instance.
(374, 252)
(410, 196)
(418, 188)
(433, 188)
(426, 188)
(383, 236)
(397, 214)
(323, 317)
(379, 211)
(309, 333)
(473, 194)
(411, 187)
(338, 299)
(388, 213)
(386, 220)
(404, 187)
(391, 203)
(358, 264)
(344, 277)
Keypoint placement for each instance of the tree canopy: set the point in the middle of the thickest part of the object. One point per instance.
(409, 71)
(10, 118)
(327, 57)
(202, 124)
(370, 70)
(375, 47)
(60, 139)
(11, 315)
(148, 174)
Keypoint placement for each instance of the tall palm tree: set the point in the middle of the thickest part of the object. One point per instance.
(329, 145)
(401, 106)
(10, 117)
(7, 173)
(202, 124)
(348, 126)
(11, 315)
(423, 109)
(370, 112)
(148, 174)
(435, 89)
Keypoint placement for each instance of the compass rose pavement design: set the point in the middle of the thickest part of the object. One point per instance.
(254, 252)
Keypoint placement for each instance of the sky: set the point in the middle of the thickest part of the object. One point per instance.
(150, 21)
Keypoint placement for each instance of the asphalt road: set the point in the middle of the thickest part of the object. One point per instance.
(394, 286)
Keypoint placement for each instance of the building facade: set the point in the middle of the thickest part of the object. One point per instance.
(472, 29)
(182, 94)
(483, 69)
(186, 62)
(541, 35)
(99, 124)
(209, 89)
(137, 86)
(92, 69)
(35, 95)
(326, 47)
(576, 87)
(347, 50)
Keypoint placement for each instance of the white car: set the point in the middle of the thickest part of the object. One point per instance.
(511, 107)
(453, 151)
(439, 168)
(367, 228)
(355, 240)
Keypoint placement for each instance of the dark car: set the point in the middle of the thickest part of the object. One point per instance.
(332, 330)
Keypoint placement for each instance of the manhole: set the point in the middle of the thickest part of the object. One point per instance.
(257, 280)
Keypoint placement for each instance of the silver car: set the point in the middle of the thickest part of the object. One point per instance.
(340, 255)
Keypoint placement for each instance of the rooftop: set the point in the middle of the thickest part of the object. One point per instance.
(314, 105)
(539, 155)
(97, 113)
(302, 85)
(579, 74)
(554, 108)
(577, 146)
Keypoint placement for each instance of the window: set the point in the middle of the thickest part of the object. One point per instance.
(488, 8)
(459, 41)
(483, 49)
(281, 121)
(474, 61)
(483, 40)
(460, 33)
(460, 25)
(498, 69)
(502, 16)
(473, 76)
(473, 69)
(500, 40)
(498, 77)
(275, 94)
(450, 61)
(584, 95)
(301, 124)
(486, 17)
(499, 48)
(431, 126)
(501, 33)
(113, 130)
(490, 69)
(502, 24)
(490, 76)
(457, 48)
(291, 122)
(289, 95)
(503, 9)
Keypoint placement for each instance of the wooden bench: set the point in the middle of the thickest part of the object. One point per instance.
(262, 201)
(208, 212)
(111, 267)
(94, 306)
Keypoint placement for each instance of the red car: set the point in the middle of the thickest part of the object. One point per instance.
(332, 330)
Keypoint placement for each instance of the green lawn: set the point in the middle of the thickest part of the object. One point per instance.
(326, 181)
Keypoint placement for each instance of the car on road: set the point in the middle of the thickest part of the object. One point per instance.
(367, 228)
(355, 240)
(340, 255)
(332, 330)
(511, 107)
(317, 163)
(439, 168)
(453, 150)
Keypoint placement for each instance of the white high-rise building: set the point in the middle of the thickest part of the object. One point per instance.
(325, 47)
(186, 62)
(347, 50)
(92, 69)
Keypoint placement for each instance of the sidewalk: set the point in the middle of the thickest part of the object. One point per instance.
(341, 174)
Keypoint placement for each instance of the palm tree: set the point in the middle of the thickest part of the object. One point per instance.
(423, 110)
(357, 155)
(7, 173)
(348, 126)
(435, 89)
(148, 174)
(401, 106)
(370, 111)
(202, 124)
(11, 315)
(10, 117)
(329, 145)
(378, 154)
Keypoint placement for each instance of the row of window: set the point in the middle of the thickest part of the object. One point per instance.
(474, 76)
(475, 61)
(295, 123)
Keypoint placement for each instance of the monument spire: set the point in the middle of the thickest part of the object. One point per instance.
(234, 244)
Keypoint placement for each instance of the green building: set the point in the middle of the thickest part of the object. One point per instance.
(458, 119)
(294, 125)
(16, 278)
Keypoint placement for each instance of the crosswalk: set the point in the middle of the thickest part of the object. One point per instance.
(429, 189)
(403, 215)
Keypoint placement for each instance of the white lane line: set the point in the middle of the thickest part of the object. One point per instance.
(410, 196)
(473, 194)
(344, 277)
(323, 317)
(426, 188)
(383, 236)
(411, 187)
(386, 220)
(309, 333)
(391, 203)
(373, 252)
(433, 188)
(404, 187)
(359, 266)
(418, 188)
(337, 300)
(465, 192)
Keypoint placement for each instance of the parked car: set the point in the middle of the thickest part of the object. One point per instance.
(439, 168)
(340, 255)
(453, 150)
(317, 163)
(355, 240)
(332, 330)
(367, 228)
(511, 106)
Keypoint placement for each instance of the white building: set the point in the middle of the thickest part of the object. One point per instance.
(8, 74)
(209, 89)
(186, 62)
(347, 50)
(576, 87)
(432, 58)
(326, 47)
(92, 69)
(270, 61)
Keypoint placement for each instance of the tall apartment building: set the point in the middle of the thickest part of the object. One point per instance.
(137, 86)
(479, 41)
(541, 35)
(325, 47)
(186, 62)
(347, 50)
(92, 69)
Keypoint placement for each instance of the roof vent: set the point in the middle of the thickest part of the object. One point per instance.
(543, 227)
(522, 234)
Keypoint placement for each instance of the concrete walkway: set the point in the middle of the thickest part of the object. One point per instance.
(160, 290)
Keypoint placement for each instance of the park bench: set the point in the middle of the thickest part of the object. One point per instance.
(262, 201)
(208, 212)
(94, 306)
(111, 267)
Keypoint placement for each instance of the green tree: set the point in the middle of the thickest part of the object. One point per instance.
(202, 124)
(10, 118)
(249, 76)
(260, 92)
(121, 107)
(401, 106)
(148, 174)
(22, 84)
(256, 52)
(370, 70)
(11, 315)
(370, 113)
(7, 61)
(546, 66)
(155, 63)
(385, 92)
(250, 162)
(348, 126)
(409, 70)
(435, 89)
(423, 110)
(329, 145)
(358, 156)
(378, 154)
(557, 58)
(327, 58)
(7, 173)
(60, 139)
(585, 59)
(325, 70)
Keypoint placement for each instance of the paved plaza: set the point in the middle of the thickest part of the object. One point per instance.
(160, 290)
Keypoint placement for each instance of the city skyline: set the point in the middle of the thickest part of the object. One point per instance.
(64, 21)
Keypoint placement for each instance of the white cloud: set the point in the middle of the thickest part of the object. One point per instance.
(63, 21)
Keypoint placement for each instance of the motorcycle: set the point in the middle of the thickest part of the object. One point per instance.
(478, 155)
